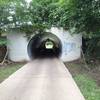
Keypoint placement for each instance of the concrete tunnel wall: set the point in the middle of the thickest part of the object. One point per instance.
(36, 47)
(17, 45)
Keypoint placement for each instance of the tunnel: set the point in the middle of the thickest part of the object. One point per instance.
(44, 45)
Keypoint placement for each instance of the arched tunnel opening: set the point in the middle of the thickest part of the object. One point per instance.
(44, 45)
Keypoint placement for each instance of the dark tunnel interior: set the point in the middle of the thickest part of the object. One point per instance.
(44, 45)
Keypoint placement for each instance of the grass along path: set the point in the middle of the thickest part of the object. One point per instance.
(88, 87)
(6, 71)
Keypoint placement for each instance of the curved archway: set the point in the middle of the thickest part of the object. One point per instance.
(44, 45)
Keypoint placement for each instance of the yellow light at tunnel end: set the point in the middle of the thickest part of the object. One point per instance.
(49, 45)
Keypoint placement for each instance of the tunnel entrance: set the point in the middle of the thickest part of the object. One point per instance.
(44, 45)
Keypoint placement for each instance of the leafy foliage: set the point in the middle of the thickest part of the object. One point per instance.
(2, 41)
(78, 16)
(88, 17)
(83, 16)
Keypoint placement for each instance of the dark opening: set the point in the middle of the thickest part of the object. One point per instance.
(44, 45)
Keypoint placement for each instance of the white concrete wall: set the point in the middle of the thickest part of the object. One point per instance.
(71, 44)
(17, 45)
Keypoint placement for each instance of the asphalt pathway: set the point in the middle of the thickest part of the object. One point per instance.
(41, 79)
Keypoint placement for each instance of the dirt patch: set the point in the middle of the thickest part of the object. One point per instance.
(95, 73)
(11, 64)
(79, 67)
(2, 52)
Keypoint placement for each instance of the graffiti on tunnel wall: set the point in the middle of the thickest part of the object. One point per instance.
(68, 47)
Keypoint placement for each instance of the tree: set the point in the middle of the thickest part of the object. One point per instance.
(87, 17)
(83, 16)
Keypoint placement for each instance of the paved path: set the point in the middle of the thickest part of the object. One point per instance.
(44, 79)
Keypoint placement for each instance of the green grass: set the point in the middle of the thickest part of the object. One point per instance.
(88, 87)
(8, 70)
